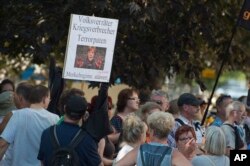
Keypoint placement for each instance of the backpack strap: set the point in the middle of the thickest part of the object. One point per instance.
(53, 137)
(77, 138)
(247, 133)
(74, 142)
(142, 158)
(179, 121)
(163, 155)
(229, 125)
(238, 141)
(159, 161)
(196, 124)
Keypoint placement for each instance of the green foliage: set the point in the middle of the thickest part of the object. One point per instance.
(225, 78)
(236, 75)
(155, 39)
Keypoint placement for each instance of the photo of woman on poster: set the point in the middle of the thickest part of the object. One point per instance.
(90, 57)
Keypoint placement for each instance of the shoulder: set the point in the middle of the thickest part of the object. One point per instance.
(88, 140)
(50, 113)
(21, 111)
(198, 160)
(46, 134)
(226, 158)
(17, 116)
(217, 122)
(227, 127)
(48, 130)
(178, 159)
(116, 118)
(116, 121)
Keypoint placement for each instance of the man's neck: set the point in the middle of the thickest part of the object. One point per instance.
(125, 112)
(37, 106)
(230, 121)
(222, 118)
(187, 118)
(161, 141)
(68, 120)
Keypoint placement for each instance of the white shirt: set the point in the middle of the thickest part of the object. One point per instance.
(198, 132)
(125, 149)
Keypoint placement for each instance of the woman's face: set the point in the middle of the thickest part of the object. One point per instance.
(239, 115)
(91, 54)
(133, 102)
(184, 139)
(143, 138)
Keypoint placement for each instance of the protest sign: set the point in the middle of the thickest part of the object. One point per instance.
(90, 48)
(244, 17)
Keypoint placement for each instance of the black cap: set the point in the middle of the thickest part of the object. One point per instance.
(188, 99)
(76, 107)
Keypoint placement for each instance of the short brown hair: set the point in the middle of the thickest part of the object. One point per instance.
(145, 108)
(38, 93)
(123, 97)
(184, 129)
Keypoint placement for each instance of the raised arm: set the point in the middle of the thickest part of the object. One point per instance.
(102, 98)
(98, 124)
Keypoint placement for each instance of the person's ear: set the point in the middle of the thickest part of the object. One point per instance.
(185, 107)
(43, 100)
(233, 113)
(20, 98)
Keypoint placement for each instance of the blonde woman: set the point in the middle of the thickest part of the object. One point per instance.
(134, 134)
(215, 147)
(157, 152)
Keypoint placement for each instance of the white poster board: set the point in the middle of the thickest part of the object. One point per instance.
(90, 48)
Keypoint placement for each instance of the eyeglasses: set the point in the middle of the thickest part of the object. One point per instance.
(185, 138)
(134, 98)
(158, 102)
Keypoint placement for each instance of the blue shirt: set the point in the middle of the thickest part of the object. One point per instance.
(217, 122)
(153, 153)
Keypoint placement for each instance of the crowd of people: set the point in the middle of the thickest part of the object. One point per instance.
(154, 132)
